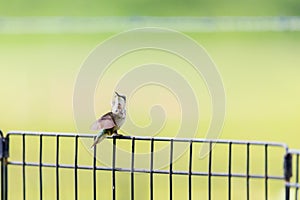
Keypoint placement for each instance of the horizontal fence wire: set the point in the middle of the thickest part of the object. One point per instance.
(238, 167)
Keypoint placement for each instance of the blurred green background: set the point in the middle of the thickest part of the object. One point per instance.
(260, 69)
(150, 8)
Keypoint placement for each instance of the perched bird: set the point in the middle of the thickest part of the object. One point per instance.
(111, 122)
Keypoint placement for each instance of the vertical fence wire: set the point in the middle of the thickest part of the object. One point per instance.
(248, 171)
(76, 168)
(23, 166)
(209, 170)
(40, 167)
(4, 146)
(297, 176)
(57, 167)
(132, 167)
(94, 173)
(151, 167)
(114, 170)
(229, 170)
(171, 170)
(190, 170)
(266, 171)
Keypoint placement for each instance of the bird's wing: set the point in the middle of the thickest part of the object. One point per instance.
(104, 122)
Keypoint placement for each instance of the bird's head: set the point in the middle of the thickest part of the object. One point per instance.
(118, 104)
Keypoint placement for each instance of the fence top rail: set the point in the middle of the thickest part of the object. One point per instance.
(294, 151)
(197, 140)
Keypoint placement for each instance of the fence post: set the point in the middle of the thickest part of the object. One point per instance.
(287, 174)
(4, 153)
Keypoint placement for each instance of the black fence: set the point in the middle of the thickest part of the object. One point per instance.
(37, 165)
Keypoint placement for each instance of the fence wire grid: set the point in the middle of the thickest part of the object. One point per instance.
(42, 165)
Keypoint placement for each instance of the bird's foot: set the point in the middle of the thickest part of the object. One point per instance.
(115, 134)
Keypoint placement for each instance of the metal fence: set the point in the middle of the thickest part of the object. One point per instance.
(41, 165)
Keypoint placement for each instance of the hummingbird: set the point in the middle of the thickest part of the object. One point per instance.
(109, 123)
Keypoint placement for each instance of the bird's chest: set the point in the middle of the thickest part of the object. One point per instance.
(119, 121)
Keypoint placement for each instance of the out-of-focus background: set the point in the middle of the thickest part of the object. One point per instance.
(43, 45)
(255, 45)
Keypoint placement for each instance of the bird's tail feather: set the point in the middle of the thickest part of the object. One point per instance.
(100, 136)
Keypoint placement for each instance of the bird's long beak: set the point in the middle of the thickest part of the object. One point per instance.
(122, 96)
